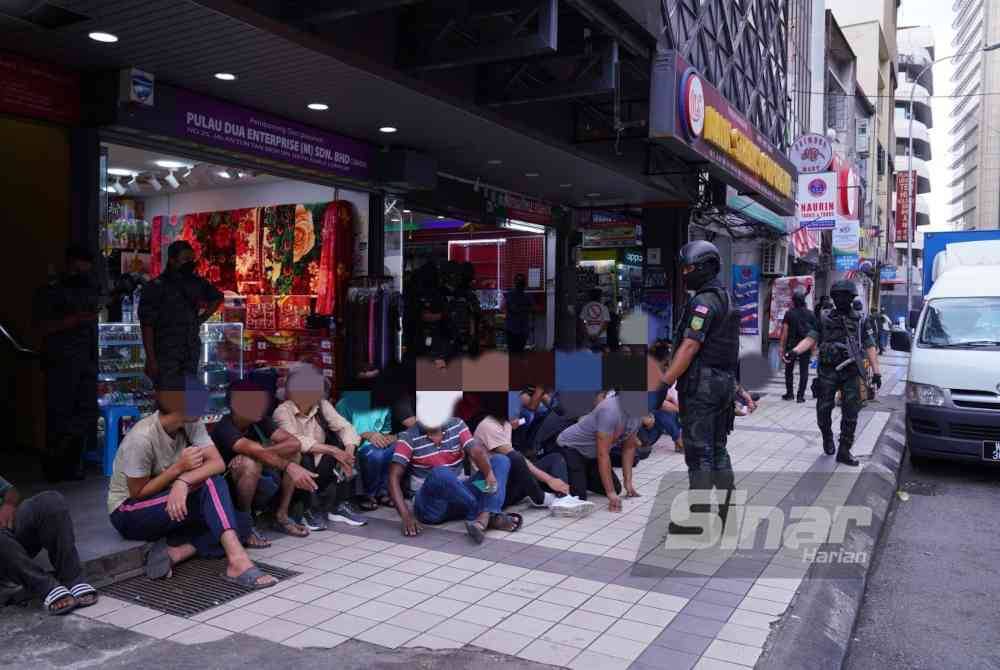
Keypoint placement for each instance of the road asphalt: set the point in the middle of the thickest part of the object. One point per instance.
(932, 597)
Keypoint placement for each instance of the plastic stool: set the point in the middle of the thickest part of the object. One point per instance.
(112, 414)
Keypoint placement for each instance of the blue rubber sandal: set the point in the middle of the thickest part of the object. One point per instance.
(248, 579)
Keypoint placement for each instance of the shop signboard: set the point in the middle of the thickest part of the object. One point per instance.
(38, 90)
(817, 201)
(227, 126)
(746, 289)
(502, 206)
(610, 229)
(695, 120)
(811, 153)
(781, 300)
(887, 273)
(904, 204)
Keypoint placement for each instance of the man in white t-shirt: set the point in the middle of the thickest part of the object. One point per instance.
(167, 487)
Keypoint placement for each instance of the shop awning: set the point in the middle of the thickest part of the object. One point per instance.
(281, 70)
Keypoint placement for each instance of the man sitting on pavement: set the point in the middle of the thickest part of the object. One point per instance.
(168, 487)
(312, 419)
(27, 527)
(262, 460)
(587, 446)
(432, 453)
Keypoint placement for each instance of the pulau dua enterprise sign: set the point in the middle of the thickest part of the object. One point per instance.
(693, 117)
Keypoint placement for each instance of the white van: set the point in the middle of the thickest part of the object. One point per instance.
(953, 382)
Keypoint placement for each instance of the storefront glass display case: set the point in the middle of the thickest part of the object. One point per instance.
(121, 379)
(221, 361)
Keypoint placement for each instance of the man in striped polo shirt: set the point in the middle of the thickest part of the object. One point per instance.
(433, 458)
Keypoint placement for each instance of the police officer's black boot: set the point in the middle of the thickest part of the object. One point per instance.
(700, 483)
(844, 453)
(678, 529)
(829, 446)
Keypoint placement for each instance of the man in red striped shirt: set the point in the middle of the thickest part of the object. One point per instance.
(433, 458)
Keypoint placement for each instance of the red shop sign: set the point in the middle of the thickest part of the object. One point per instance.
(38, 90)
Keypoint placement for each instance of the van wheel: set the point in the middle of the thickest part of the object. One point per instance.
(919, 462)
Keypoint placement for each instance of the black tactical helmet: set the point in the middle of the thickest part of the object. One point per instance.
(705, 259)
(844, 292)
(844, 286)
(799, 297)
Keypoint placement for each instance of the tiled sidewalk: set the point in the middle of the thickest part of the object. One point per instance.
(580, 593)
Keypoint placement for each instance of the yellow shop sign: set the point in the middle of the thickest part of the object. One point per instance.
(720, 133)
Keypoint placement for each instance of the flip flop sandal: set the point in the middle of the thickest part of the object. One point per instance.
(385, 501)
(476, 531)
(56, 595)
(289, 527)
(256, 540)
(248, 579)
(510, 522)
(158, 561)
(85, 594)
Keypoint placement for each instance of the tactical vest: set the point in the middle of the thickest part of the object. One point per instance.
(721, 348)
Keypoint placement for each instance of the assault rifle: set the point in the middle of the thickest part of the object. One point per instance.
(856, 354)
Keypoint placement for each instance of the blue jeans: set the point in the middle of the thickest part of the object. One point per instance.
(884, 339)
(374, 469)
(444, 497)
(669, 423)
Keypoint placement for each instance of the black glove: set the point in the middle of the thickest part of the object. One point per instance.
(789, 356)
(877, 381)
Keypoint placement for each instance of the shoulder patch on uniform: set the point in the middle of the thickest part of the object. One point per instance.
(697, 322)
(701, 309)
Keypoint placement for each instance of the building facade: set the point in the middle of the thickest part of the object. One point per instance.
(974, 161)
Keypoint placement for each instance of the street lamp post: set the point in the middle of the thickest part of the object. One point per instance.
(911, 205)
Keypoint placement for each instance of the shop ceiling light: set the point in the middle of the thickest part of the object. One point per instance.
(225, 76)
(565, 185)
(110, 189)
(172, 181)
(406, 211)
(494, 161)
(523, 226)
(469, 243)
(106, 38)
(172, 165)
(120, 172)
(225, 174)
(118, 188)
(530, 174)
(154, 182)
(318, 106)
(387, 129)
(133, 184)
(593, 195)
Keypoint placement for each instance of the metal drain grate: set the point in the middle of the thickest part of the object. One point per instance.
(196, 585)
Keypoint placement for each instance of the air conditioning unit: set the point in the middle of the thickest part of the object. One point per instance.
(774, 258)
(862, 139)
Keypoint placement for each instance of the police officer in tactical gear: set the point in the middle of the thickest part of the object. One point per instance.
(797, 323)
(837, 370)
(706, 354)
(66, 314)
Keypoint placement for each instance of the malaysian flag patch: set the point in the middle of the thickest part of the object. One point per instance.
(701, 309)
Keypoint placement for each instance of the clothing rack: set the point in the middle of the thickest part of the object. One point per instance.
(372, 324)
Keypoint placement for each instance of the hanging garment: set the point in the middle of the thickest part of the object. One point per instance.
(371, 331)
(156, 246)
(249, 280)
(293, 311)
(165, 229)
(278, 231)
(334, 272)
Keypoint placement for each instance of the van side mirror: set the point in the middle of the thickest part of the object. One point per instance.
(900, 341)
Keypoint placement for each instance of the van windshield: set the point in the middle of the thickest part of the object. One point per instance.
(961, 322)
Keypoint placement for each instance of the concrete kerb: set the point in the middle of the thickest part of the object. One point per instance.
(815, 631)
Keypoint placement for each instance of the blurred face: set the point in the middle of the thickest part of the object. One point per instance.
(188, 405)
(249, 405)
(306, 389)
